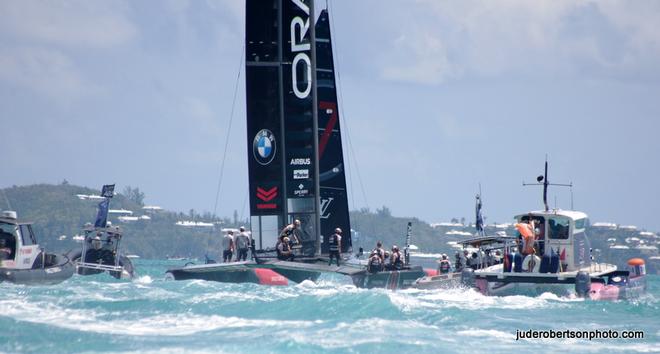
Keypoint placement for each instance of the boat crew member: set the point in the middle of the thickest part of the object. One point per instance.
(284, 252)
(443, 265)
(242, 244)
(379, 250)
(526, 230)
(334, 246)
(396, 260)
(228, 246)
(292, 231)
(375, 262)
(458, 264)
(5, 251)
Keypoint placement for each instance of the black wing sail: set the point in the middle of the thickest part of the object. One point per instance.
(281, 119)
(332, 179)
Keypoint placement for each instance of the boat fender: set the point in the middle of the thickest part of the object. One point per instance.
(532, 264)
(545, 263)
(430, 272)
(517, 263)
(467, 277)
(270, 277)
(582, 284)
(554, 262)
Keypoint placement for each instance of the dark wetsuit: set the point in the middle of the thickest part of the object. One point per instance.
(333, 248)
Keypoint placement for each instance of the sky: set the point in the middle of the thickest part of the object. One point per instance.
(437, 98)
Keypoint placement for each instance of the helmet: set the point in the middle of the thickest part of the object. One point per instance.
(338, 230)
(395, 248)
(296, 222)
(242, 228)
(444, 256)
(285, 239)
(96, 243)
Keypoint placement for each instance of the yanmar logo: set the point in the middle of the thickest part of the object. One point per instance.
(266, 196)
(300, 161)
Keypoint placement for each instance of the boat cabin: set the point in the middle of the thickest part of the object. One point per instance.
(18, 245)
(560, 232)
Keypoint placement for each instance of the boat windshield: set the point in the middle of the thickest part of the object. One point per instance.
(558, 227)
(8, 235)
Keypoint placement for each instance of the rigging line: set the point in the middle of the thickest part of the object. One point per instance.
(343, 116)
(231, 118)
(244, 203)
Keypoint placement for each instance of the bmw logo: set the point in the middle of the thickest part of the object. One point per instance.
(263, 146)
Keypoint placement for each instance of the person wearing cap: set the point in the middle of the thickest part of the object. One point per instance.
(283, 248)
(291, 231)
(443, 265)
(228, 246)
(242, 242)
(334, 246)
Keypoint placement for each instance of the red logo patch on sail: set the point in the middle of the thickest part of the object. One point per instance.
(266, 196)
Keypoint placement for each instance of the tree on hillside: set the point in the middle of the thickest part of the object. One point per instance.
(134, 194)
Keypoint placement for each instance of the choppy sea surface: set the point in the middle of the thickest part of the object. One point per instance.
(149, 314)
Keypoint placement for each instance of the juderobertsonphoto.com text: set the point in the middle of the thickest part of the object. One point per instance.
(573, 334)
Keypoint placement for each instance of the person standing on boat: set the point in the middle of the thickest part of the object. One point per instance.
(334, 246)
(242, 244)
(444, 266)
(396, 260)
(228, 246)
(5, 251)
(291, 231)
(379, 250)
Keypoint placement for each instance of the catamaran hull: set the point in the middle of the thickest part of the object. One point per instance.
(61, 271)
(243, 272)
(397, 279)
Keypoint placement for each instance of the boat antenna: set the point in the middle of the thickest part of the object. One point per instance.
(479, 219)
(406, 251)
(542, 180)
(572, 196)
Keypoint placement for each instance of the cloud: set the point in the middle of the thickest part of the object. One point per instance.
(96, 24)
(437, 41)
(48, 72)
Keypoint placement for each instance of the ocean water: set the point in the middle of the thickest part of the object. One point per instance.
(100, 314)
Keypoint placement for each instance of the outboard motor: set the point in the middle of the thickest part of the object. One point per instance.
(467, 277)
(582, 284)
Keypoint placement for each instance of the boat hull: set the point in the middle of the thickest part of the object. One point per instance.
(62, 270)
(442, 281)
(396, 279)
(243, 272)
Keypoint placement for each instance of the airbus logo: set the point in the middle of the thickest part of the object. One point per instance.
(299, 161)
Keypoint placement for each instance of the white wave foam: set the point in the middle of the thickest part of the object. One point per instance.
(164, 325)
(145, 279)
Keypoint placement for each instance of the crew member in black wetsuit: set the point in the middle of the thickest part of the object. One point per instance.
(334, 246)
(291, 231)
(396, 260)
(443, 265)
(284, 252)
